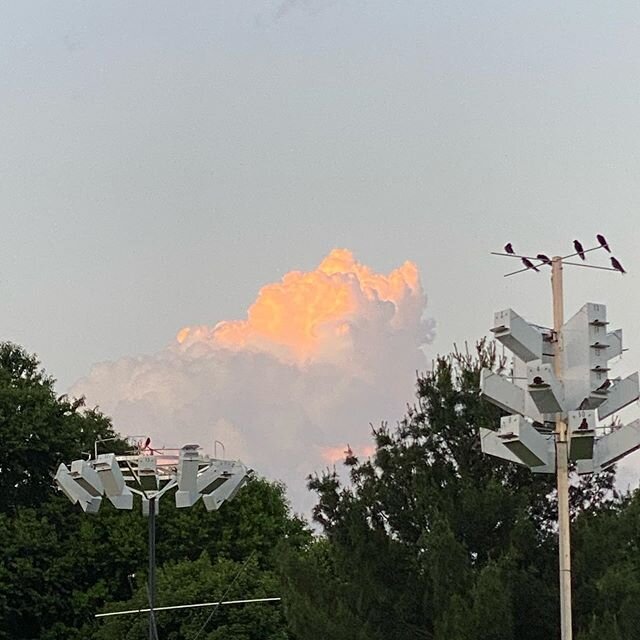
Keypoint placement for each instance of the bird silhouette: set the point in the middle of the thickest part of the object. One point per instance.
(508, 248)
(579, 249)
(538, 380)
(527, 263)
(544, 258)
(603, 242)
(584, 425)
(605, 385)
(616, 265)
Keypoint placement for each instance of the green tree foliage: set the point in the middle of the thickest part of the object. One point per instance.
(607, 561)
(61, 566)
(204, 556)
(37, 429)
(430, 539)
(433, 539)
(198, 581)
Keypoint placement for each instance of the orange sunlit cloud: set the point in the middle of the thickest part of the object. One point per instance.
(306, 313)
(320, 355)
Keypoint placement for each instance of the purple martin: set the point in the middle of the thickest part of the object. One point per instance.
(603, 242)
(538, 380)
(579, 249)
(544, 258)
(508, 248)
(527, 263)
(584, 425)
(605, 385)
(617, 266)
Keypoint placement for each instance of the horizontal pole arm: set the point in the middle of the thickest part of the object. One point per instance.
(515, 255)
(577, 253)
(570, 264)
(185, 606)
(589, 266)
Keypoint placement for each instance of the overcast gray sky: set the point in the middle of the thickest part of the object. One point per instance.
(161, 161)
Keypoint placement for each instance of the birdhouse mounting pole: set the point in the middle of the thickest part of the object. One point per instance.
(153, 633)
(562, 460)
(567, 386)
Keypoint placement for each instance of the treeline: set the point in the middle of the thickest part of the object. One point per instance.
(429, 539)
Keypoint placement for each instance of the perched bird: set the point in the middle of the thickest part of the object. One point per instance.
(527, 263)
(584, 425)
(538, 380)
(616, 265)
(508, 248)
(579, 249)
(544, 258)
(603, 242)
(605, 385)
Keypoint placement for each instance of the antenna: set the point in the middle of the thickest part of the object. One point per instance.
(534, 263)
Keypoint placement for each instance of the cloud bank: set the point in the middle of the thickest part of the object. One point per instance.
(320, 355)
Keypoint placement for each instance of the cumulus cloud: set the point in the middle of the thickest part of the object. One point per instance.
(320, 355)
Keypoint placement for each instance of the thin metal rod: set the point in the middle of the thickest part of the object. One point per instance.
(571, 264)
(589, 266)
(577, 253)
(541, 263)
(515, 255)
(186, 606)
(562, 459)
(513, 273)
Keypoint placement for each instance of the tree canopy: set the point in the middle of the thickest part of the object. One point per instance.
(432, 539)
(62, 566)
(428, 539)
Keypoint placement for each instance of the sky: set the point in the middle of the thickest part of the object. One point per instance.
(162, 162)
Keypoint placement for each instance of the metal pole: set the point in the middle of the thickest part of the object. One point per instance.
(152, 567)
(562, 461)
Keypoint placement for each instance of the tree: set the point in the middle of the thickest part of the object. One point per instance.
(61, 566)
(205, 556)
(431, 538)
(607, 559)
(37, 429)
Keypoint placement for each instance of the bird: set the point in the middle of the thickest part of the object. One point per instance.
(538, 380)
(544, 258)
(584, 425)
(603, 242)
(579, 249)
(508, 248)
(616, 265)
(527, 263)
(605, 385)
